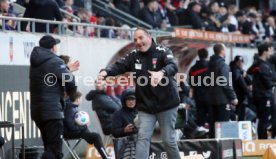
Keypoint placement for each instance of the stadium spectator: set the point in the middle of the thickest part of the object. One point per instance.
(108, 33)
(68, 6)
(247, 27)
(191, 16)
(151, 14)
(5, 10)
(41, 9)
(129, 6)
(124, 34)
(270, 29)
(100, 18)
(73, 131)
(214, 7)
(241, 19)
(206, 16)
(123, 119)
(170, 12)
(232, 10)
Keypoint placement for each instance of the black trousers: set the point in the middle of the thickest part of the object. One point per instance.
(202, 111)
(218, 113)
(89, 137)
(264, 113)
(240, 111)
(51, 132)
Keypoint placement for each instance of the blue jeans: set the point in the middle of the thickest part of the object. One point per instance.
(146, 124)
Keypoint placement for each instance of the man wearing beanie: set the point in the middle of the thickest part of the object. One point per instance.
(47, 88)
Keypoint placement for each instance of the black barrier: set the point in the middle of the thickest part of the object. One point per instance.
(209, 148)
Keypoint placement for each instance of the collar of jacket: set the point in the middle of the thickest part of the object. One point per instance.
(152, 48)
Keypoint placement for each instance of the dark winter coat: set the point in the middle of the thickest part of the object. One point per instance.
(223, 94)
(124, 116)
(46, 100)
(105, 107)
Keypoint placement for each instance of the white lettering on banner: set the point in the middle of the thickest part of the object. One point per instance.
(264, 146)
(13, 107)
(228, 153)
(249, 147)
(92, 152)
(206, 155)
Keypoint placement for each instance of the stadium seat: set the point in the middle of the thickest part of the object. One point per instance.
(71, 147)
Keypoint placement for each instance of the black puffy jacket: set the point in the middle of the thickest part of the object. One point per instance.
(69, 119)
(150, 99)
(46, 100)
(263, 79)
(124, 116)
(223, 94)
(197, 73)
(239, 83)
(105, 107)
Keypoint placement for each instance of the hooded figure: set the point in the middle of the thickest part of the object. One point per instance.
(123, 119)
(104, 106)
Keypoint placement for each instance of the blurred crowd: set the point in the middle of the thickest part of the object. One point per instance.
(160, 14)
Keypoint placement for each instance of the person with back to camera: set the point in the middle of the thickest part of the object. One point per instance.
(153, 64)
(47, 87)
(222, 94)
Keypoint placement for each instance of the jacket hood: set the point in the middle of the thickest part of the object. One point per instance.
(40, 55)
(126, 93)
(93, 93)
(40, 2)
(215, 59)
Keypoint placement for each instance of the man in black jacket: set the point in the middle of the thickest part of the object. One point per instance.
(156, 91)
(240, 85)
(200, 92)
(47, 85)
(72, 130)
(221, 91)
(262, 89)
(42, 9)
(123, 119)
